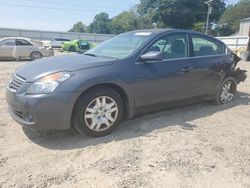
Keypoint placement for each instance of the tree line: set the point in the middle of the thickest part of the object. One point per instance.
(180, 14)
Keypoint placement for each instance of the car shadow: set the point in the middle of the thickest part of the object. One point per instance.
(140, 126)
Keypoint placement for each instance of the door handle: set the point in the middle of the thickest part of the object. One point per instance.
(187, 69)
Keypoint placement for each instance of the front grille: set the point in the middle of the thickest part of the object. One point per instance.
(16, 82)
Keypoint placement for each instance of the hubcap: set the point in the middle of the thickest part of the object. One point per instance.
(101, 113)
(227, 94)
(36, 56)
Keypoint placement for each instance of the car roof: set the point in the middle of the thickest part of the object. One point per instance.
(152, 30)
(157, 31)
(60, 38)
(16, 38)
(162, 31)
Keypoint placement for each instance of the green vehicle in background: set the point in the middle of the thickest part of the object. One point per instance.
(79, 45)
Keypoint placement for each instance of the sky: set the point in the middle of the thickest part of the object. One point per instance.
(59, 15)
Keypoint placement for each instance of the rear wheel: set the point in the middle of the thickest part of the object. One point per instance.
(72, 49)
(35, 55)
(98, 112)
(227, 91)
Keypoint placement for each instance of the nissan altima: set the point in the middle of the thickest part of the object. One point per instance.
(127, 75)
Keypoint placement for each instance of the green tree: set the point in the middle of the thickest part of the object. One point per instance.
(181, 14)
(78, 27)
(199, 26)
(128, 21)
(100, 24)
(234, 14)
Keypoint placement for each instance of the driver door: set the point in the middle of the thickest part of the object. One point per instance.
(169, 79)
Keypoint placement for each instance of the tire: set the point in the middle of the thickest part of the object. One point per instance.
(72, 49)
(35, 55)
(94, 118)
(226, 92)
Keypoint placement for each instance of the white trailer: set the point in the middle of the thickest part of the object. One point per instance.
(235, 43)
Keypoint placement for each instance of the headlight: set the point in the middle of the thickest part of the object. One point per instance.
(49, 83)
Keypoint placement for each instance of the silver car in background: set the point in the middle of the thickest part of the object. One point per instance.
(23, 48)
(58, 42)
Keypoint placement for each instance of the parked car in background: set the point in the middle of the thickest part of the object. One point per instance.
(58, 42)
(77, 46)
(23, 48)
(129, 74)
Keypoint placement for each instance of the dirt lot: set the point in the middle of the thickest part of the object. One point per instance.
(196, 146)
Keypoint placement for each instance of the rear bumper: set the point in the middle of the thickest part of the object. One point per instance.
(42, 112)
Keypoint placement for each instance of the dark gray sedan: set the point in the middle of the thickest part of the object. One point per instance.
(129, 74)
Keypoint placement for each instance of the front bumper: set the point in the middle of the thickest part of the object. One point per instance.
(48, 52)
(51, 52)
(239, 75)
(42, 112)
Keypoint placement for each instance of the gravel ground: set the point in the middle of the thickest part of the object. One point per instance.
(195, 146)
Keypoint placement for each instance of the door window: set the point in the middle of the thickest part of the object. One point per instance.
(205, 47)
(172, 46)
(21, 42)
(8, 42)
(84, 45)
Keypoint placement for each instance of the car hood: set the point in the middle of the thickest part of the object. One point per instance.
(39, 68)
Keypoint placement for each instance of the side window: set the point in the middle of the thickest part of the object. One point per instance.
(8, 42)
(21, 42)
(173, 46)
(205, 47)
(83, 45)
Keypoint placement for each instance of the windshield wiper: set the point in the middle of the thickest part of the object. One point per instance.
(89, 54)
(101, 56)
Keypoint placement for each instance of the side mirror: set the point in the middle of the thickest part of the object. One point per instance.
(152, 56)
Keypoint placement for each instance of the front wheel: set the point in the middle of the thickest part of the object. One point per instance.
(72, 49)
(98, 112)
(35, 55)
(227, 91)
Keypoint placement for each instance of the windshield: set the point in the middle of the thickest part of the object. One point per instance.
(120, 46)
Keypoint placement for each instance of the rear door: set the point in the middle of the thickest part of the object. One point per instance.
(210, 63)
(6, 48)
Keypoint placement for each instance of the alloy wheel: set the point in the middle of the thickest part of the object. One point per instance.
(35, 55)
(227, 93)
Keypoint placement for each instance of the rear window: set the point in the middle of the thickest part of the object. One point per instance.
(204, 47)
